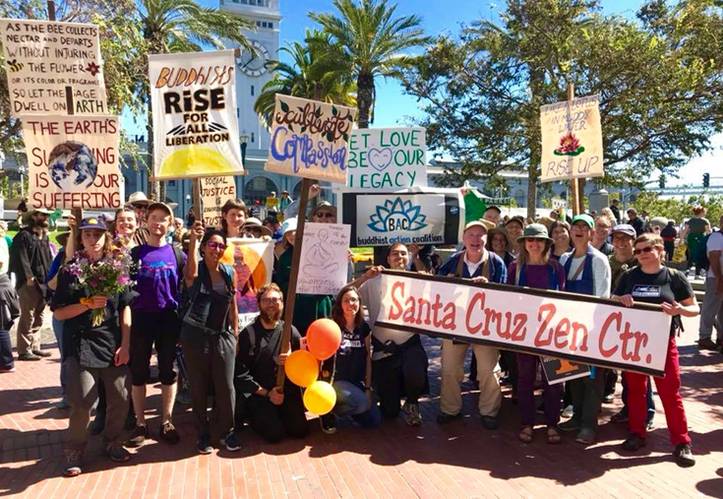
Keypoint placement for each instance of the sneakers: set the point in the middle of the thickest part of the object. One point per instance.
(328, 423)
(570, 425)
(203, 444)
(567, 412)
(633, 443)
(7, 369)
(42, 353)
(72, 462)
(117, 453)
(138, 436)
(684, 455)
(169, 433)
(28, 356)
(620, 417)
(411, 414)
(490, 422)
(444, 418)
(609, 398)
(231, 442)
(707, 344)
(586, 436)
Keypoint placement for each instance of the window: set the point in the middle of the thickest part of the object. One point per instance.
(171, 183)
(252, 90)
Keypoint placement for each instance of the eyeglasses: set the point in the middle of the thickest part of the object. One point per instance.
(351, 299)
(216, 246)
(647, 249)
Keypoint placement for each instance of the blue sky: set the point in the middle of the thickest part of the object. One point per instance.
(394, 108)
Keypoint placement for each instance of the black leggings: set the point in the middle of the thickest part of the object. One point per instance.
(404, 373)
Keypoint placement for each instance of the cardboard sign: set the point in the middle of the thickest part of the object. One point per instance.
(387, 159)
(419, 216)
(561, 370)
(324, 259)
(253, 260)
(580, 328)
(195, 127)
(73, 162)
(310, 139)
(571, 140)
(43, 58)
(215, 191)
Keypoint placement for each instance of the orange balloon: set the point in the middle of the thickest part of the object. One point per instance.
(301, 368)
(323, 338)
(227, 256)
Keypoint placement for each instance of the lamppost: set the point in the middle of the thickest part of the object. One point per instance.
(22, 170)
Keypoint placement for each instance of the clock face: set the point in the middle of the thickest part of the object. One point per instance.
(254, 64)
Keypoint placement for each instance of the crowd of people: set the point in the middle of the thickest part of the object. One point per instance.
(182, 306)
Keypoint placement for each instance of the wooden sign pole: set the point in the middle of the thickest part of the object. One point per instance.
(196, 198)
(574, 184)
(285, 342)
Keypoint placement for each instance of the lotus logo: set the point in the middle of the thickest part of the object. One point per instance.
(397, 215)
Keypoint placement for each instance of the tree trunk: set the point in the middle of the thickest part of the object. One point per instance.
(364, 98)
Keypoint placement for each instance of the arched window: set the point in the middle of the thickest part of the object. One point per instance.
(257, 189)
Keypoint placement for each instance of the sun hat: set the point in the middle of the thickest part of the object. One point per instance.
(41, 210)
(484, 223)
(323, 204)
(583, 218)
(255, 223)
(535, 231)
(288, 225)
(138, 198)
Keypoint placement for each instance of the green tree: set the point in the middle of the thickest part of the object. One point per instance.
(658, 79)
(373, 41)
(313, 72)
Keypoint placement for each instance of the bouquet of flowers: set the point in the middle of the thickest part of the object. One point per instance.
(108, 276)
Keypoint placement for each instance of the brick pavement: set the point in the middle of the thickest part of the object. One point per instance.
(458, 460)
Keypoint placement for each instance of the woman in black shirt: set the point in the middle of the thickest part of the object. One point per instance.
(651, 282)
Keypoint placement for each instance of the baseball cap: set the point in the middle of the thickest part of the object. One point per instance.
(485, 224)
(92, 223)
(583, 218)
(157, 205)
(626, 229)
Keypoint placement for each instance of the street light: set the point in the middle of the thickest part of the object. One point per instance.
(22, 170)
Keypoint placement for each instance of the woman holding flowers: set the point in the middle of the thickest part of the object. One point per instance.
(92, 298)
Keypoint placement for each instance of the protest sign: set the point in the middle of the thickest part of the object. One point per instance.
(412, 216)
(195, 127)
(215, 191)
(324, 259)
(387, 159)
(73, 161)
(571, 140)
(561, 370)
(43, 58)
(253, 260)
(310, 139)
(580, 328)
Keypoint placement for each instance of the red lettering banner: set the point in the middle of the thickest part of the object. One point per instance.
(564, 325)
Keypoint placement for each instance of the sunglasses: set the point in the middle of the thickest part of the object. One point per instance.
(647, 249)
(216, 246)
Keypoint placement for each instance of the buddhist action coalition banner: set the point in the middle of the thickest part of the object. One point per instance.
(579, 328)
(73, 161)
(43, 58)
(215, 191)
(387, 159)
(195, 127)
(571, 140)
(310, 139)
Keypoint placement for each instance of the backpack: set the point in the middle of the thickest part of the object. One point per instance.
(703, 257)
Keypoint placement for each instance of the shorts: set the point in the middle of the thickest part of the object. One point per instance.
(149, 329)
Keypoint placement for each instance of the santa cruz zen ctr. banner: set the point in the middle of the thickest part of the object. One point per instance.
(584, 329)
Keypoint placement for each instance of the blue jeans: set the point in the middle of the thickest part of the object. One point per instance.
(352, 401)
(58, 330)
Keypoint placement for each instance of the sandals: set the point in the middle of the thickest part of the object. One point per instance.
(553, 436)
(525, 434)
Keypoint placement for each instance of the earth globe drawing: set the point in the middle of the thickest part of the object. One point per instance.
(72, 165)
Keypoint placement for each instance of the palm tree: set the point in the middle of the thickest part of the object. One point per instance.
(185, 26)
(314, 72)
(372, 40)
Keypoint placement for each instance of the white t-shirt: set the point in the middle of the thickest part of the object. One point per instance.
(371, 296)
(4, 255)
(601, 273)
(715, 243)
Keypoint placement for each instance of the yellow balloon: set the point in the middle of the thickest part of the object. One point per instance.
(320, 398)
(301, 368)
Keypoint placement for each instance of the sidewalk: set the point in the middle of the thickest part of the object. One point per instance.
(458, 460)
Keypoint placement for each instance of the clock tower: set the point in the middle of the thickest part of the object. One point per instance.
(251, 75)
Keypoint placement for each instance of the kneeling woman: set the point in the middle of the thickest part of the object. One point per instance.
(208, 335)
(351, 367)
(93, 355)
(651, 282)
(535, 269)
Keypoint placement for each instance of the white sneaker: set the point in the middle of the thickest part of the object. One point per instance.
(567, 412)
(411, 414)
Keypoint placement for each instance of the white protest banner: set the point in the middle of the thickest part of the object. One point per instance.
(253, 260)
(571, 140)
(580, 328)
(324, 259)
(410, 216)
(195, 127)
(387, 159)
(73, 161)
(43, 58)
(215, 191)
(309, 139)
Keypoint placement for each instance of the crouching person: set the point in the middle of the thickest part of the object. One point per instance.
(93, 354)
(274, 412)
(208, 335)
